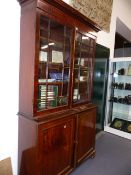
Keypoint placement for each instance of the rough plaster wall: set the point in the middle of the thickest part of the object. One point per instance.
(98, 11)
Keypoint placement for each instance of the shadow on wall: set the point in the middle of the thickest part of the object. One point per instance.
(122, 40)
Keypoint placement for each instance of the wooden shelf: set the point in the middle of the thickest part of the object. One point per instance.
(62, 65)
(53, 83)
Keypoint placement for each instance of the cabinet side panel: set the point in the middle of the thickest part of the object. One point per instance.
(27, 58)
(27, 146)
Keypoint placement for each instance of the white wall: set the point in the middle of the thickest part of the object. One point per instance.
(9, 72)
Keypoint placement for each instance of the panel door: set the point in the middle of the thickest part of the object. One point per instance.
(57, 147)
(86, 133)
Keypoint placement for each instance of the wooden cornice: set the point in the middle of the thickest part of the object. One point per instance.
(69, 10)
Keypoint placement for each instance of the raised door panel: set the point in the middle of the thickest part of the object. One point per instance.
(86, 134)
(57, 147)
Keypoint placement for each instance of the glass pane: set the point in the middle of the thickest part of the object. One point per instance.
(43, 54)
(56, 42)
(56, 48)
(91, 52)
(84, 83)
(44, 24)
(92, 43)
(86, 40)
(78, 49)
(55, 73)
(82, 68)
(54, 64)
(67, 51)
(42, 72)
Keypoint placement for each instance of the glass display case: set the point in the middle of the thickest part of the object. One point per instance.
(120, 95)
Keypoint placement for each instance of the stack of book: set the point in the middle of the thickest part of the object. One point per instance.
(47, 97)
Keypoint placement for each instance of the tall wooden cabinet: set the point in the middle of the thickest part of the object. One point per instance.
(56, 117)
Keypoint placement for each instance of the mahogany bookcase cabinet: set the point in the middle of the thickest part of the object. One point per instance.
(56, 116)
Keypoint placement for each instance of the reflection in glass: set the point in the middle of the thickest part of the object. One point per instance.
(54, 63)
(82, 68)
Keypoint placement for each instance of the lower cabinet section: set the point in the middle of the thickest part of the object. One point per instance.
(56, 147)
(86, 134)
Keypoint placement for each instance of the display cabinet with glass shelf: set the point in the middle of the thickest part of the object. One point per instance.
(120, 96)
(56, 69)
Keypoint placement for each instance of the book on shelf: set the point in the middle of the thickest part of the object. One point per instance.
(47, 96)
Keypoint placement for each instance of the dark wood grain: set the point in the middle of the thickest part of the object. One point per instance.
(69, 10)
(56, 143)
(56, 146)
(53, 141)
(86, 134)
(27, 61)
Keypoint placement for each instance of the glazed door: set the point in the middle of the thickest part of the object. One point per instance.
(86, 134)
(99, 90)
(56, 147)
(83, 67)
(100, 83)
(54, 65)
